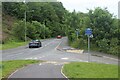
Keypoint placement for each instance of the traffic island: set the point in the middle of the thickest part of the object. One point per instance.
(81, 70)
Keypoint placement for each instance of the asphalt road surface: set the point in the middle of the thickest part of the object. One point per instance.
(52, 52)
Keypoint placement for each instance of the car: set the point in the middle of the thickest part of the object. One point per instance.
(35, 43)
(59, 37)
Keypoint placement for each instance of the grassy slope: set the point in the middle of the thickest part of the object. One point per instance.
(90, 70)
(10, 66)
(10, 45)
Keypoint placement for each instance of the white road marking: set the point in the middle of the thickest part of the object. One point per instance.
(12, 73)
(35, 58)
(40, 64)
(49, 43)
(78, 60)
(41, 57)
(65, 58)
(58, 45)
(28, 58)
(63, 73)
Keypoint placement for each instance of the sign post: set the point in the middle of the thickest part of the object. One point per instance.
(88, 32)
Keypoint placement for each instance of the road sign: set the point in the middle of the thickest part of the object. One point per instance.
(88, 31)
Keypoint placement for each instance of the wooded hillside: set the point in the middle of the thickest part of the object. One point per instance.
(49, 19)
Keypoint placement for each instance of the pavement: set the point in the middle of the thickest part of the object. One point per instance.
(54, 53)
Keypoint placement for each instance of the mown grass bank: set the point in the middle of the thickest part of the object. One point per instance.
(90, 70)
(11, 45)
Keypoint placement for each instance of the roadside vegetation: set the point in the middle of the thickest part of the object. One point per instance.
(49, 19)
(12, 44)
(9, 67)
(90, 70)
(105, 29)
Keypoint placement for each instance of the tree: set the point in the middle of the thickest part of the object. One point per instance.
(19, 30)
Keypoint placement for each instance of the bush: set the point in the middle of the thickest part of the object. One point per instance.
(19, 30)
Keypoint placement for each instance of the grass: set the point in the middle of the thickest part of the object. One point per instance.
(10, 45)
(90, 70)
(0, 46)
(10, 66)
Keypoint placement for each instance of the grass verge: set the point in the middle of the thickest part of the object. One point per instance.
(10, 45)
(10, 66)
(90, 70)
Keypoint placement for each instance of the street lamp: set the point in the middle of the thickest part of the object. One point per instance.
(25, 20)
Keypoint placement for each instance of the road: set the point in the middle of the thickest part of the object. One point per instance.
(52, 52)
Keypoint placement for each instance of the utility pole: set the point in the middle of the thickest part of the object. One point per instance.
(25, 20)
(25, 13)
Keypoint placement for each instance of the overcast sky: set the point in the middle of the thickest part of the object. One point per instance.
(83, 5)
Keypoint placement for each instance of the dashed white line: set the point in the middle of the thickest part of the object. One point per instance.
(40, 64)
(28, 58)
(35, 58)
(65, 58)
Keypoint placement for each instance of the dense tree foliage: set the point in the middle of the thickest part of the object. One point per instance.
(49, 19)
(105, 29)
(50, 14)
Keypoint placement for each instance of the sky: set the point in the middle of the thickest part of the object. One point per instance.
(83, 5)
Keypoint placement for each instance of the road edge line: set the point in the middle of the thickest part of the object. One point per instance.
(63, 73)
(17, 70)
(12, 74)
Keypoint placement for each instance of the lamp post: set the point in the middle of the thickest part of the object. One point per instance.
(25, 27)
(25, 20)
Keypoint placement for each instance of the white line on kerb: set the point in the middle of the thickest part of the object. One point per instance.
(63, 73)
(12, 73)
